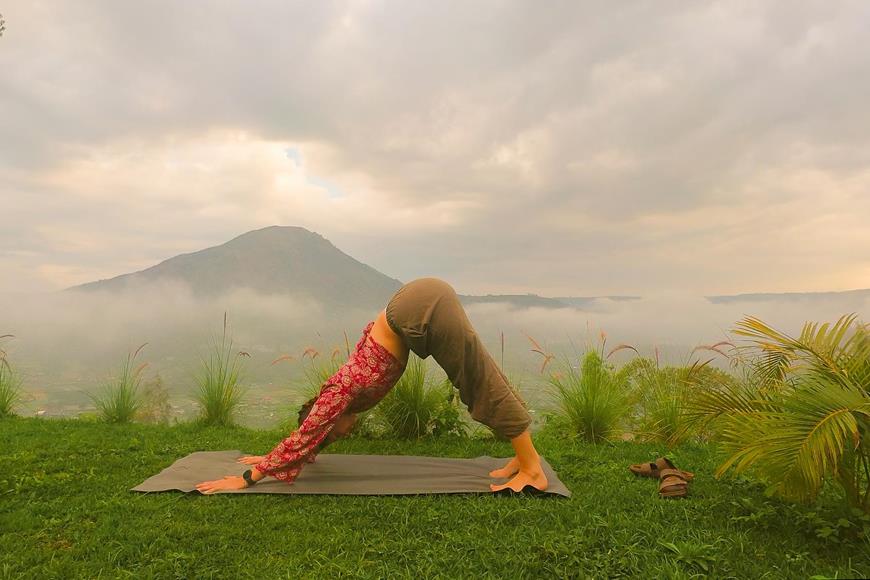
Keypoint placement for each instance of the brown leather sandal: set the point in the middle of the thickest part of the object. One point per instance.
(673, 483)
(654, 469)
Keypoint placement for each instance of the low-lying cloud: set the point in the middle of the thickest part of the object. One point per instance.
(68, 343)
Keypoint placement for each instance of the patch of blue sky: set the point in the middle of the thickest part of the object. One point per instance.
(331, 190)
(295, 155)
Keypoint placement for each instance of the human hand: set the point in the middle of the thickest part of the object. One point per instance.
(252, 459)
(228, 482)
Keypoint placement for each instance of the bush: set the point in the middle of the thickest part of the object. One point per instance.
(592, 403)
(120, 401)
(10, 383)
(155, 406)
(801, 413)
(663, 396)
(414, 408)
(219, 390)
(449, 418)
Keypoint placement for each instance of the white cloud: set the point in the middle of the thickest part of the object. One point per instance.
(588, 149)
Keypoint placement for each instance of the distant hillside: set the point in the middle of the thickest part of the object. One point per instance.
(530, 300)
(853, 298)
(294, 260)
(275, 259)
(582, 301)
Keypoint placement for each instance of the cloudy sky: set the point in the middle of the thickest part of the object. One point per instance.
(589, 149)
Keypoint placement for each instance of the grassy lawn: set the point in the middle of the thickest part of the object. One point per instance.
(65, 511)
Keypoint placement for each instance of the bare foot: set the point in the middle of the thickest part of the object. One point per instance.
(537, 480)
(509, 469)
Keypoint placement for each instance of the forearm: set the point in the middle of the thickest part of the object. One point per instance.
(288, 457)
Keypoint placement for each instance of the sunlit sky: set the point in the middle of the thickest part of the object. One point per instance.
(584, 149)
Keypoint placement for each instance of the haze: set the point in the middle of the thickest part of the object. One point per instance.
(68, 343)
(667, 150)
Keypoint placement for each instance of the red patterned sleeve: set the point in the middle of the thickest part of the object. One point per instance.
(365, 378)
(285, 461)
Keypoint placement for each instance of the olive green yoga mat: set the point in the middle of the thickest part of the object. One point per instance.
(335, 473)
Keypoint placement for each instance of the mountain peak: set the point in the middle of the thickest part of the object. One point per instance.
(271, 260)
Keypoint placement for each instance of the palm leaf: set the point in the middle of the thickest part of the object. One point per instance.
(797, 445)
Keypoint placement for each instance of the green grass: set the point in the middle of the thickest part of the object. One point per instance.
(66, 511)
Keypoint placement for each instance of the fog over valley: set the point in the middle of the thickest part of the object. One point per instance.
(66, 343)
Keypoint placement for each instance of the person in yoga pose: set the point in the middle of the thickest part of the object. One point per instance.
(424, 316)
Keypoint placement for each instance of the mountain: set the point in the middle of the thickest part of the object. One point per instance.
(849, 298)
(294, 260)
(275, 259)
(530, 300)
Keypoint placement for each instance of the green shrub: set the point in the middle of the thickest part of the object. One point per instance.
(801, 413)
(219, 390)
(592, 402)
(155, 406)
(663, 396)
(10, 383)
(120, 401)
(450, 417)
(414, 407)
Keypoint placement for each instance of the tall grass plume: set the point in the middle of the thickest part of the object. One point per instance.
(10, 383)
(120, 400)
(219, 389)
(592, 401)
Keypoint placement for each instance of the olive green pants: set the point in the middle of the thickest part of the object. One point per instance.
(428, 315)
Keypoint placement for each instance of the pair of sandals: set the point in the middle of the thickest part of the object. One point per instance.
(673, 482)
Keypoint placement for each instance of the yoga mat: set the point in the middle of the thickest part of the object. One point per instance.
(341, 474)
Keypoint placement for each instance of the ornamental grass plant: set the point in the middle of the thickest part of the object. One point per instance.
(155, 407)
(417, 405)
(10, 384)
(120, 400)
(592, 401)
(219, 391)
(660, 395)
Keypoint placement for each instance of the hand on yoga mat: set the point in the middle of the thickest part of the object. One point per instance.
(252, 459)
(228, 482)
